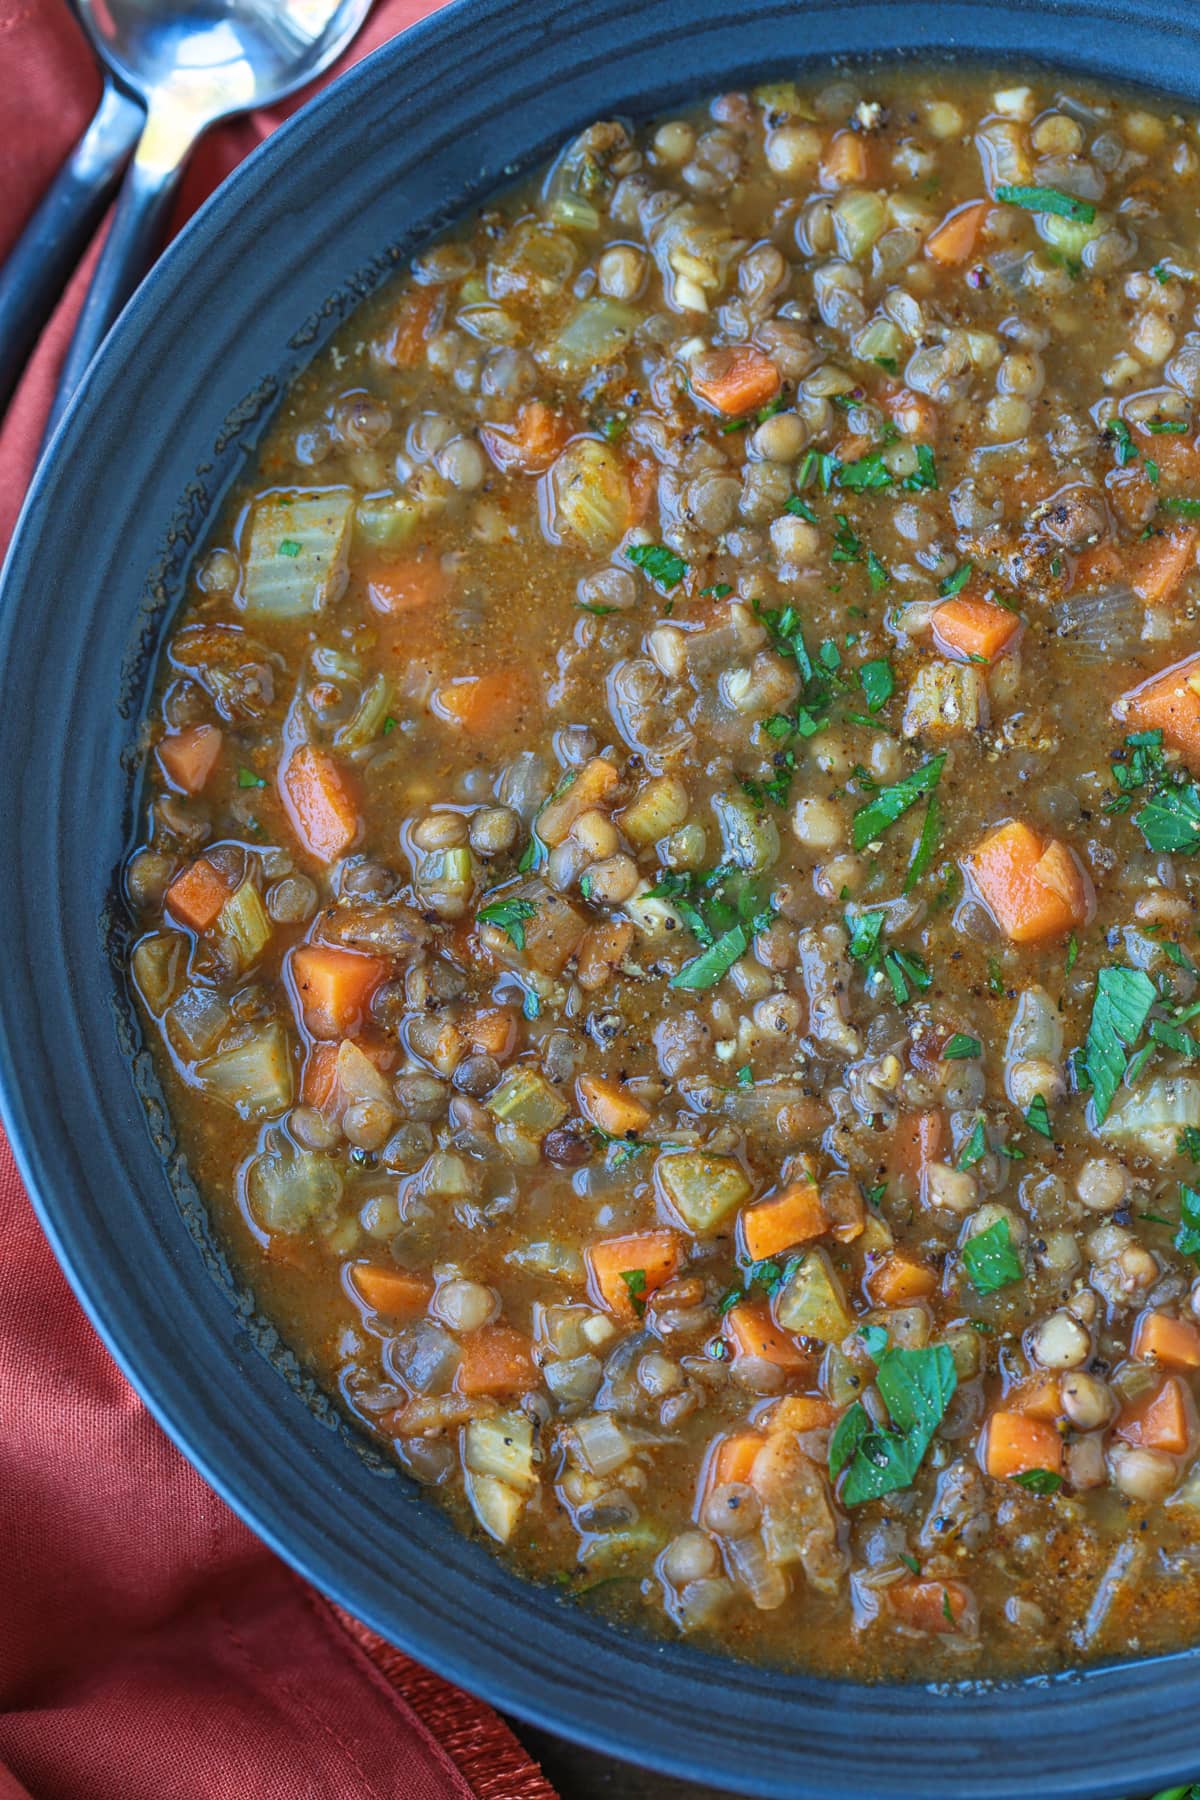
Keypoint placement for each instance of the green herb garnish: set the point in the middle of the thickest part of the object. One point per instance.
(662, 566)
(916, 1387)
(954, 584)
(510, 917)
(1038, 1117)
(1120, 1009)
(1038, 1481)
(960, 1047)
(248, 779)
(1048, 200)
(991, 1260)
(891, 803)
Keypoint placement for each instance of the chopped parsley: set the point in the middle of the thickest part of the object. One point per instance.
(916, 1386)
(891, 803)
(289, 547)
(1166, 427)
(878, 683)
(960, 1047)
(510, 917)
(1048, 200)
(877, 573)
(1038, 1481)
(974, 1148)
(800, 509)
(925, 845)
(1187, 1238)
(1189, 1143)
(925, 474)
(723, 910)
(1120, 1009)
(718, 591)
(248, 779)
(1182, 504)
(991, 1260)
(660, 565)
(954, 584)
(635, 1282)
(389, 725)
(868, 472)
(1122, 437)
(1038, 1117)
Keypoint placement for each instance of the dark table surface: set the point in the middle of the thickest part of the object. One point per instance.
(585, 1775)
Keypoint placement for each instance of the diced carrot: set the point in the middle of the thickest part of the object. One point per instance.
(1014, 1443)
(616, 1264)
(1098, 565)
(1041, 1401)
(847, 160)
(334, 987)
(1169, 702)
(1033, 886)
(496, 1359)
(320, 802)
(643, 487)
(492, 1031)
(729, 1459)
(802, 1412)
(735, 378)
(917, 1139)
(187, 756)
(603, 949)
(1157, 1337)
(1163, 1419)
(953, 241)
(931, 1605)
(404, 345)
(915, 415)
(487, 704)
(197, 895)
(1159, 565)
(791, 1217)
(899, 1280)
(396, 1292)
(593, 787)
(530, 444)
(969, 628)
(752, 1331)
(609, 1108)
(406, 584)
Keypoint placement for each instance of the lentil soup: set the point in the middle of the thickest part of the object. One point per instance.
(667, 898)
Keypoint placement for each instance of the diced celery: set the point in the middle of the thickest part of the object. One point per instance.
(841, 1380)
(880, 339)
(966, 1347)
(489, 322)
(196, 1020)
(658, 808)
(547, 1256)
(289, 1189)
(158, 965)
(369, 717)
(576, 214)
(444, 1176)
(502, 1447)
(296, 560)
(588, 496)
(1069, 236)
(533, 262)
(243, 928)
(526, 1099)
(877, 1236)
(386, 521)
(859, 217)
(704, 1190)
(945, 697)
(496, 1505)
(610, 1551)
(749, 836)
(908, 1327)
(811, 1302)
(255, 1076)
(1152, 1118)
(446, 878)
(597, 331)
(602, 1443)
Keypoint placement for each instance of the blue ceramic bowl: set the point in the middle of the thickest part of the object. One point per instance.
(161, 427)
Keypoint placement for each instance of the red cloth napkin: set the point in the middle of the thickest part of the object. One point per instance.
(150, 1647)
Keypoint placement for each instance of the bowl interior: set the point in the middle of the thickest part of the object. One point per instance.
(160, 429)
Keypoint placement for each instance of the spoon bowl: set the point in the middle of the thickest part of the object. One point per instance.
(189, 66)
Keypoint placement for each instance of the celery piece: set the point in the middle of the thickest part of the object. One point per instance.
(496, 1505)
(597, 331)
(253, 1077)
(385, 521)
(158, 964)
(703, 1190)
(811, 1301)
(609, 1551)
(243, 928)
(196, 1020)
(502, 1447)
(295, 562)
(368, 718)
(525, 1099)
(289, 1189)
(588, 497)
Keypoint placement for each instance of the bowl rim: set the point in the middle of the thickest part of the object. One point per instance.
(436, 1638)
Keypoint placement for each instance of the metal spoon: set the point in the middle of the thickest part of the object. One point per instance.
(190, 63)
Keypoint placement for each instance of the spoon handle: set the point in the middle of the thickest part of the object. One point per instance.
(132, 242)
(49, 248)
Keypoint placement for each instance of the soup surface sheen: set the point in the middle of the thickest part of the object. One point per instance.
(668, 893)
